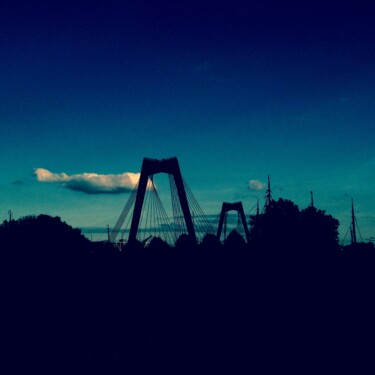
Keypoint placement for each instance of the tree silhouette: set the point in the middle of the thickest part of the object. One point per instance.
(285, 232)
(274, 230)
(118, 311)
(210, 242)
(46, 265)
(234, 241)
(158, 244)
(360, 253)
(185, 242)
(318, 234)
(42, 235)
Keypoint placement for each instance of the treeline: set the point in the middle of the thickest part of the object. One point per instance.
(283, 302)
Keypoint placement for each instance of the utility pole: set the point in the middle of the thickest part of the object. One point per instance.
(108, 234)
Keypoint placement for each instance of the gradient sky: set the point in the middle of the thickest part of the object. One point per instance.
(236, 90)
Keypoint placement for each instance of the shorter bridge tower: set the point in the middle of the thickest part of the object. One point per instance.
(236, 206)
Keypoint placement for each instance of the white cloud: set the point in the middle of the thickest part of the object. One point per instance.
(91, 183)
(256, 185)
(44, 175)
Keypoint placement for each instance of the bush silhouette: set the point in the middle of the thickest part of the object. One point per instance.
(211, 242)
(158, 244)
(185, 242)
(274, 230)
(234, 241)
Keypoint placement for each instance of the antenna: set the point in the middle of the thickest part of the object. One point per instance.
(10, 213)
(312, 199)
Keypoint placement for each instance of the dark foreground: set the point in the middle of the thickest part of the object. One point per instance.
(187, 311)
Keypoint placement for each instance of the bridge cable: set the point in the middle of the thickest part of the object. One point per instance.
(124, 214)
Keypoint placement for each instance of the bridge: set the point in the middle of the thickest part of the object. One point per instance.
(144, 215)
(241, 221)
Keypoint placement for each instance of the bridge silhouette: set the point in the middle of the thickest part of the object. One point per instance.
(144, 216)
(241, 220)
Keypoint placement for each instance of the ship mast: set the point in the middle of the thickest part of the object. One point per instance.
(268, 197)
(352, 227)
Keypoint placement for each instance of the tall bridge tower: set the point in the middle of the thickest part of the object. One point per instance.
(151, 167)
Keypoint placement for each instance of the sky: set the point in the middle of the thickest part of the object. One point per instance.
(236, 90)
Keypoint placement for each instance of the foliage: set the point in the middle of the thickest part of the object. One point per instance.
(210, 242)
(318, 232)
(43, 233)
(185, 242)
(158, 244)
(136, 311)
(276, 227)
(234, 241)
(284, 230)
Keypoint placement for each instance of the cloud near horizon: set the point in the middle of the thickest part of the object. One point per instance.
(91, 183)
(256, 185)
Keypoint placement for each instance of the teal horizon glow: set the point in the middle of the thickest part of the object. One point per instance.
(237, 91)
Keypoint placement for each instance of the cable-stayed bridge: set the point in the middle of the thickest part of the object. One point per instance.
(145, 216)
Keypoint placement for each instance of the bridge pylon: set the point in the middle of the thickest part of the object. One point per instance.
(151, 167)
(236, 206)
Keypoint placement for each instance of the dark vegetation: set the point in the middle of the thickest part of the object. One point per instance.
(290, 301)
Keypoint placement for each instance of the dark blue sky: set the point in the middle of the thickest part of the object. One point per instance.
(236, 90)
